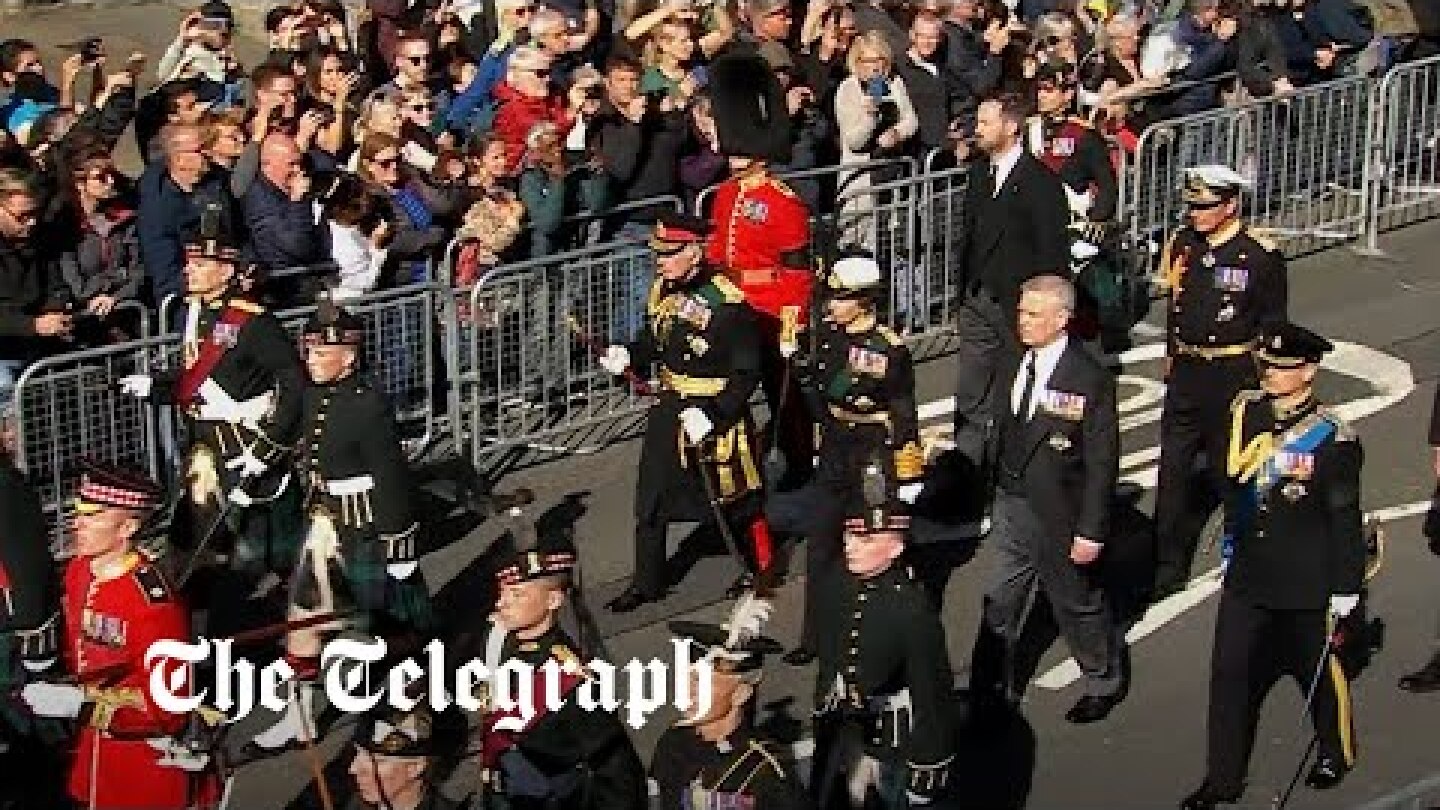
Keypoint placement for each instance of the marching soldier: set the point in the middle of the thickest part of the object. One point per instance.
(1226, 286)
(29, 634)
(360, 550)
(116, 605)
(1297, 566)
(1057, 461)
(861, 385)
(761, 239)
(883, 692)
(396, 762)
(1071, 147)
(240, 389)
(570, 757)
(700, 459)
(718, 760)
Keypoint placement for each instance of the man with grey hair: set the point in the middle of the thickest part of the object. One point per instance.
(1057, 463)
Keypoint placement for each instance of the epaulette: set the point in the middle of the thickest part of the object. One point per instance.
(1344, 431)
(731, 293)
(566, 656)
(152, 583)
(1264, 240)
(246, 306)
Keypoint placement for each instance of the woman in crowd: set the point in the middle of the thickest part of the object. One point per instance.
(379, 115)
(419, 209)
(702, 165)
(360, 233)
(667, 58)
(544, 190)
(104, 269)
(331, 84)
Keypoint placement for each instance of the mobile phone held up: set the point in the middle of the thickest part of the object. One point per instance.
(877, 87)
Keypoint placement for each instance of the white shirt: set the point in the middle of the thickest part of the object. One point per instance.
(1046, 358)
(359, 261)
(1004, 164)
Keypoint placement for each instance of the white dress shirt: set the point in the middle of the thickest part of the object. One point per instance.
(1046, 358)
(1004, 164)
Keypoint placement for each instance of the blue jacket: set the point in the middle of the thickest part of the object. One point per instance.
(283, 233)
(169, 216)
(480, 93)
(1209, 57)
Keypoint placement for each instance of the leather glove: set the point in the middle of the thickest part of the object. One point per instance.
(401, 570)
(1343, 604)
(909, 492)
(697, 425)
(615, 359)
(54, 699)
(247, 464)
(137, 385)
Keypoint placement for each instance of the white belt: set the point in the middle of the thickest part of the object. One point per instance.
(359, 485)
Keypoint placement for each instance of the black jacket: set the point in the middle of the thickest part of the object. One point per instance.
(930, 95)
(1303, 540)
(642, 159)
(751, 773)
(1068, 454)
(1016, 234)
(1225, 289)
(30, 284)
(283, 233)
(29, 592)
(975, 72)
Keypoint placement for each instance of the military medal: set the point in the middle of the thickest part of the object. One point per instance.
(1232, 279)
(1293, 491)
(1225, 314)
(1208, 260)
(865, 361)
(1070, 407)
(698, 344)
(1060, 442)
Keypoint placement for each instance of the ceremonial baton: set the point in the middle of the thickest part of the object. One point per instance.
(637, 383)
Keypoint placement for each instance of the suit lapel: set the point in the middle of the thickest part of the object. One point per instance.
(1038, 428)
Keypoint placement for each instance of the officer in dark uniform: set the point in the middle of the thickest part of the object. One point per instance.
(1226, 286)
(1297, 566)
(396, 760)
(360, 547)
(240, 387)
(1427, 678)
(861, 387)
(29, 637)
(718, 759)
(571, 758)
(883, 692)
(700, 459)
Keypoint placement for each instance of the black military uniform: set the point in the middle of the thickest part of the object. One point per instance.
(1225, 288)
(883, 688)
(705, 344)
(1298, 565)
(570, 758)
(240, 388)
(742, 769)
(1427, 678)
(356, 480)
(860, 383)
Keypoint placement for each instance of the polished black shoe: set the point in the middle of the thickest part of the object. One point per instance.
(627, 601)
(1207, 798)
(1424, 679)
(1326, 773)
(741, 585)
(798, 657)
(1092, 709)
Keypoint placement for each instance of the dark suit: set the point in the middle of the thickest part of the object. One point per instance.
(1055, 475)
(1006, 238)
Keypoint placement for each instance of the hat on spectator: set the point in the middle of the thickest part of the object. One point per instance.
(854, 277)
(111, 486)
(751, 119)
(675, 231)
(528, 57)
(1212, 184)
(1287, 345)
(332, 326)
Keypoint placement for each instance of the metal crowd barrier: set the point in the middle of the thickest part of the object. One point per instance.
(69, 407)
(1403, 172)
(1305, 153)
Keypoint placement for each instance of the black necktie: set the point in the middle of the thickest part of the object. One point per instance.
(1029, 388)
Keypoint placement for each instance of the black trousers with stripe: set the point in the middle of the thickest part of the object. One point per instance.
(1254, 646)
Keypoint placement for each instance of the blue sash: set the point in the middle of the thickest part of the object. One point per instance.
(1248, 497)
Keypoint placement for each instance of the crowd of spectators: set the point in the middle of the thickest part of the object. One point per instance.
(362, 145)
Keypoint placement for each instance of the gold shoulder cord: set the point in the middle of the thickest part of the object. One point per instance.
(1242, 464)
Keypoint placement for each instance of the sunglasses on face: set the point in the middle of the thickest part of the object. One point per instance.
(1205, 206)
(386, 163)
(421, 107)
(418, 59)
(103, 175)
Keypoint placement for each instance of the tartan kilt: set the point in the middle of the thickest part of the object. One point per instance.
(374, 590)
(269, 535)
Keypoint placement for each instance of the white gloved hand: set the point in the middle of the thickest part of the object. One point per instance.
(916, 800)
(909, 492)
(137, 385)
(788, 348)
(247, 464)
(697, 425)
(238, 497)
(1342, 605)
(54, 699)
(1081, 250)
(615, 359)
(401, 570)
